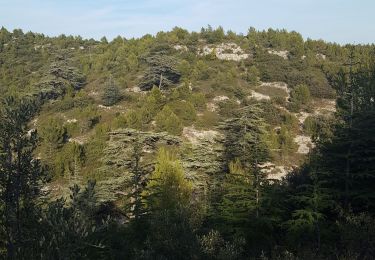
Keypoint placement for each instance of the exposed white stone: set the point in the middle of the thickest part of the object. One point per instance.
(212, 107)
(220, 98)
(301, 116)
(196, 136)
(274, 172)
(78, 140)
(70, 121)
(104, 107)
(225, 51)
(180, 48)
(190, 86)
(134, 89)
(279, 172)
(326, 106)
(258, 96)
(321, 56)
(282, 54)
(93, 93)
(304, 144)
(30, 132)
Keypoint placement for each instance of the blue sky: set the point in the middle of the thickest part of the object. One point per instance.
(342, 21)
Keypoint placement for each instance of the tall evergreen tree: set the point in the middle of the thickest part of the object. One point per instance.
(169, 202)
(111, 93)
(21, 177)
(245, 142)
(162, 72)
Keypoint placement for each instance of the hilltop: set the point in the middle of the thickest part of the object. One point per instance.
(223, 112)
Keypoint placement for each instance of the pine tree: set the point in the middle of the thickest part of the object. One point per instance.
(20, 177)
(168, 121)
(162, 72)
(169, 202)
(53, 134)
(135, 206)
(245, 142)
(111, 93)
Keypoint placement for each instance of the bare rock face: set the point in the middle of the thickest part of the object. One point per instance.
(304, 144)
(220, 99)
(225, 51)
(180, 48)
(135, 89)
(274, 172)
(258, 96)
(301, 116)
(212, 107)
(282, 54)
(195, 136)
(71, 121)
(328, 106)
(81, 140)
(321, 56)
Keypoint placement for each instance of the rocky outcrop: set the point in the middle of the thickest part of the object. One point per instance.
(274, 172)
(213, 106)
(282, 54)
(321, 56)
(258, 96)
(225, 51)
(304, 144)
(182, 48)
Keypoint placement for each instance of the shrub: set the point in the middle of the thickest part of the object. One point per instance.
(168, 121)
(301, 94)
(111, 94)
(198, 100)
(252, 76)
(208, 119)
(184, 110)
(132, 119)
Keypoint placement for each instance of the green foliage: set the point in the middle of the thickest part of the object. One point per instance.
(300, 97)
(252, 75)
(168, 189)
(168, 196)
(21, 177)
(153, 103)
(69, 160)
(60, 79)
(168, 121)
(132, 119)
(286, 143)
(162, 72)
(111, 94)
(69, 229)
(324, 208)
(185, 111)
(208, 119)
(53, 134)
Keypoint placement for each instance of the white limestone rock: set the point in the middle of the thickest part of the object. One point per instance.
(282, 54)
(304, 144)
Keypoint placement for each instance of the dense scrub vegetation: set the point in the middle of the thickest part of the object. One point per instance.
(171, 193)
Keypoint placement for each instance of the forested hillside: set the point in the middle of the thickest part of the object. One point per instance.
(186, 145)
